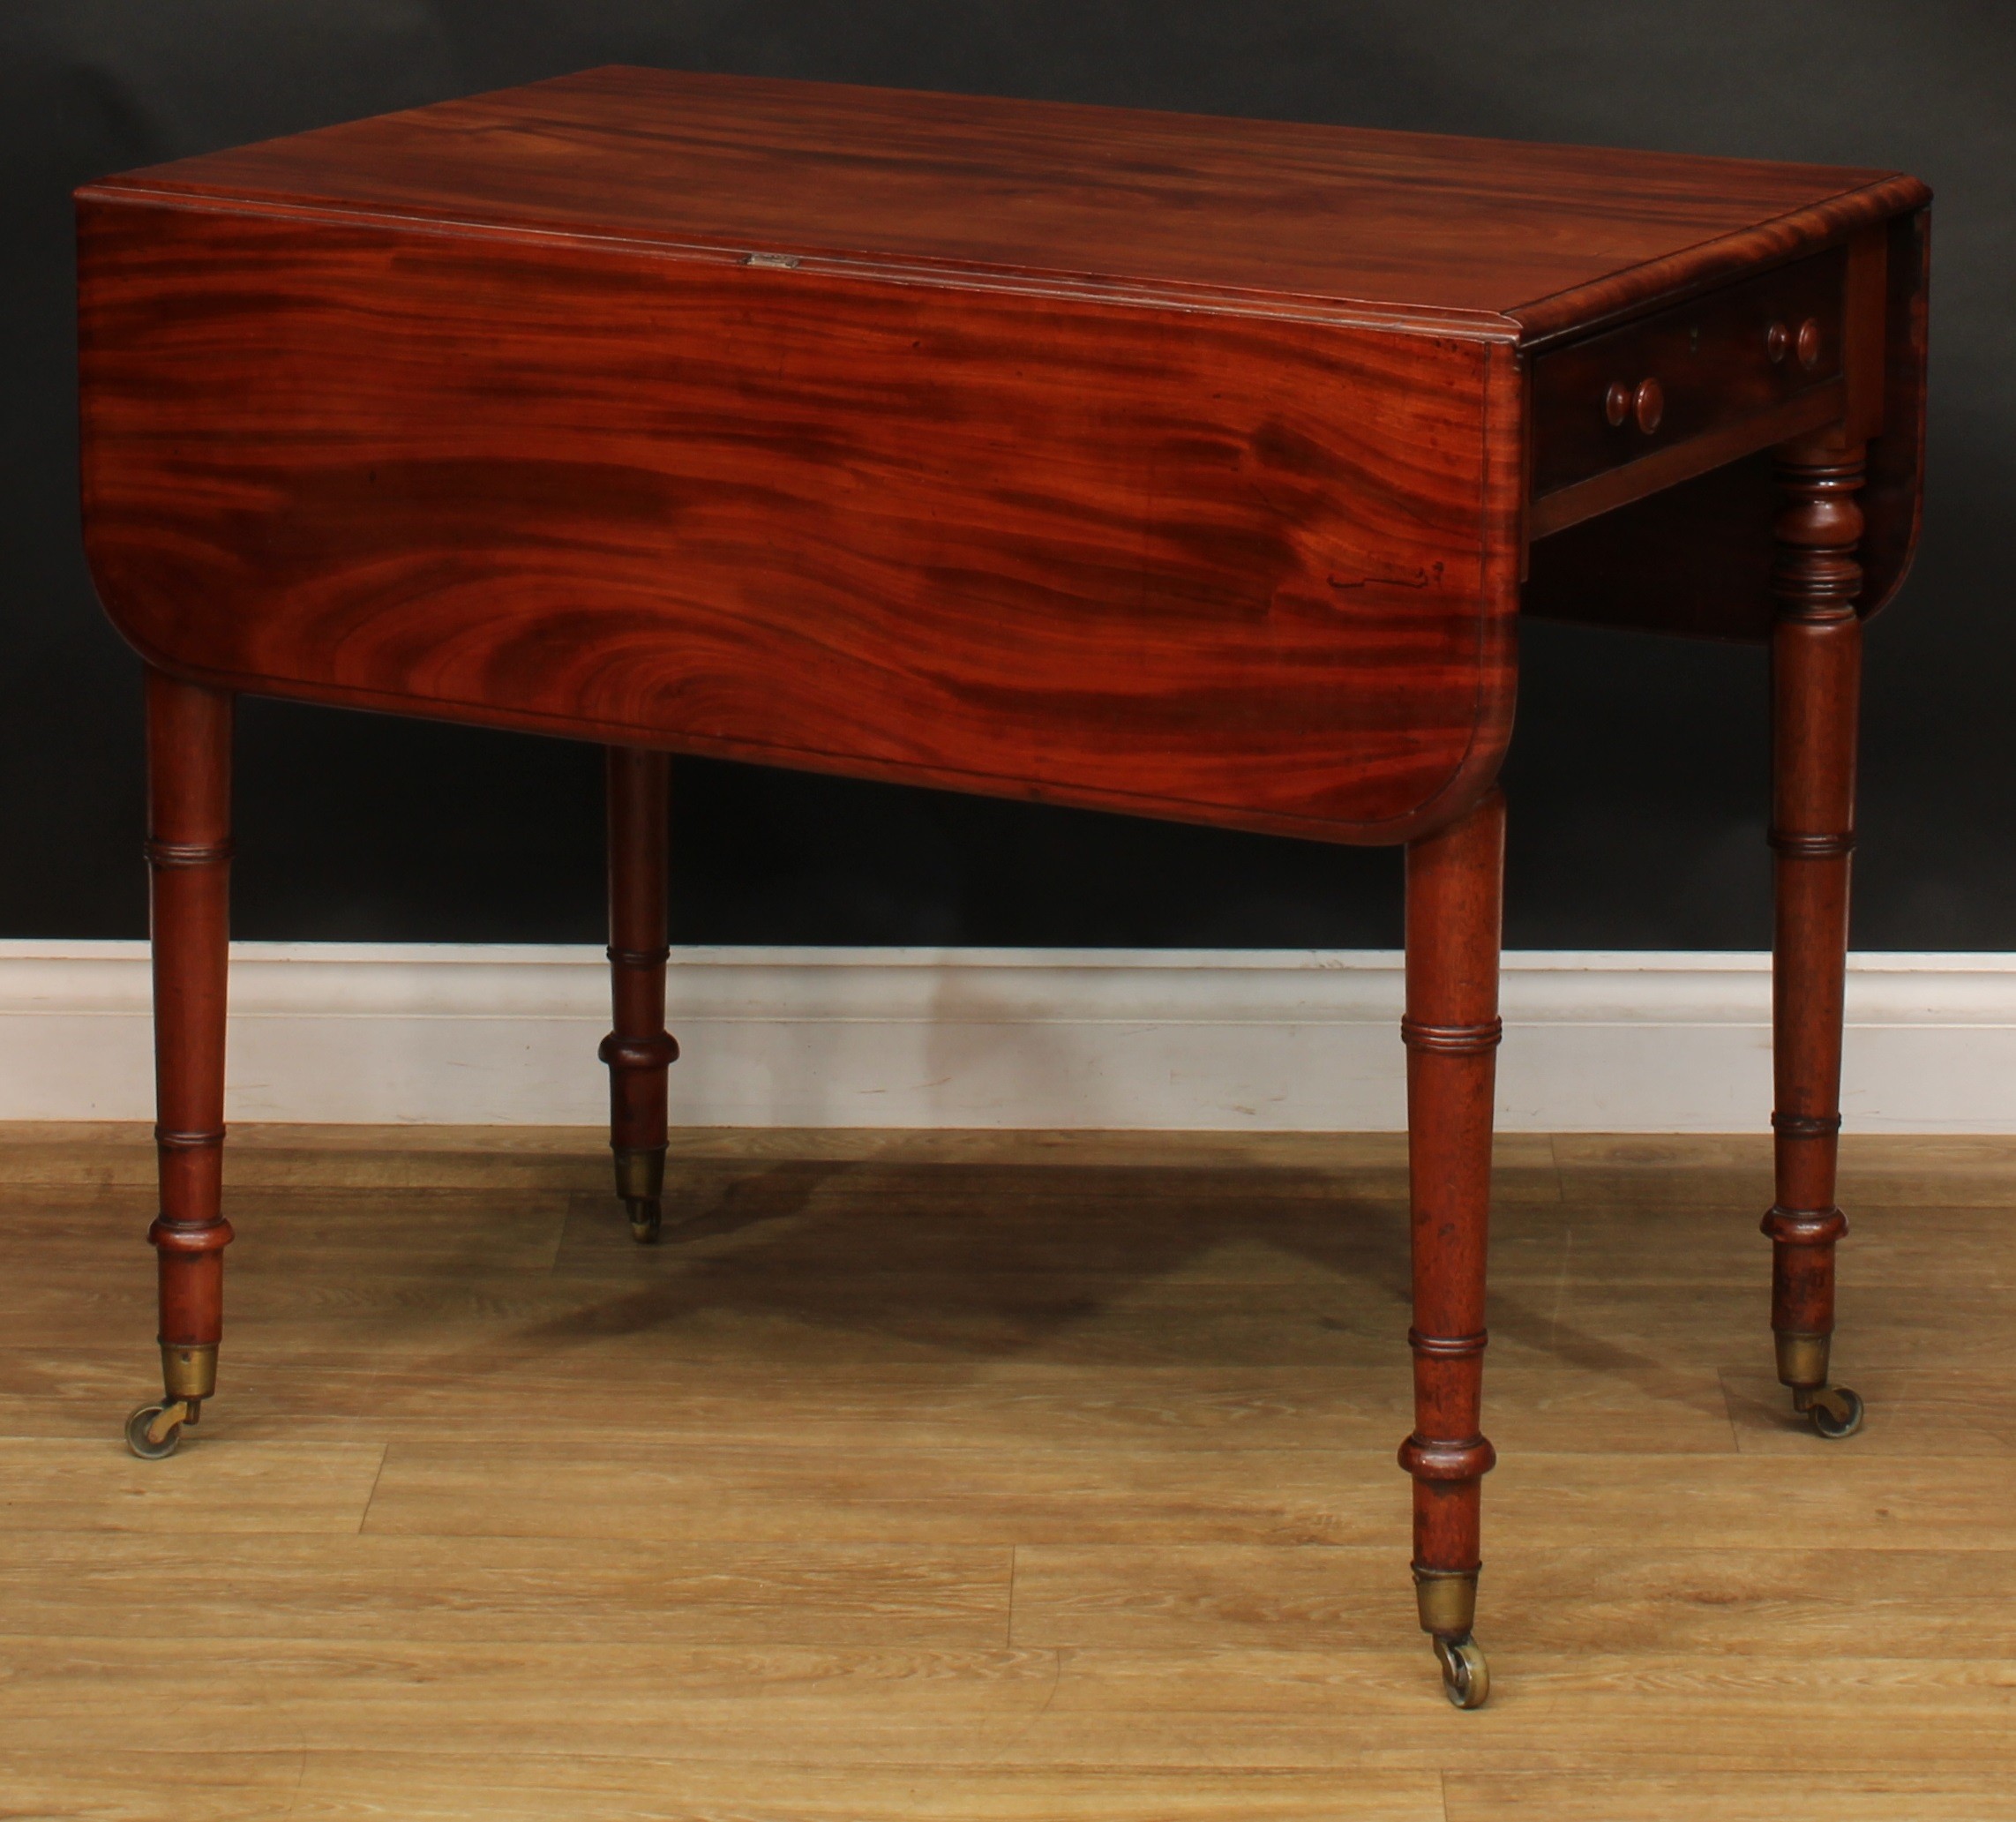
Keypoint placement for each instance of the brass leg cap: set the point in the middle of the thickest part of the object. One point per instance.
(646, 1219)
(188, 1372)
(1446, 1599)
(641, 1174)
(1802, 1359)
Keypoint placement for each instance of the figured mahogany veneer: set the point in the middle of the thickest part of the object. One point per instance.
(1183, 467)
(1119, 558)
(1126, 459)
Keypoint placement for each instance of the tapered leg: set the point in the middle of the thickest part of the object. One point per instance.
(188, 856)
(1455, 891)
(1815, 659)
(640, 1049)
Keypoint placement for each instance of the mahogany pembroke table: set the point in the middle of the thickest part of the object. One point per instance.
(1191, 467)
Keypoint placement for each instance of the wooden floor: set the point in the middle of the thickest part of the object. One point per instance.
(993, 1477)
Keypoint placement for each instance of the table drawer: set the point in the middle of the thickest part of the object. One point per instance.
(1699, 367)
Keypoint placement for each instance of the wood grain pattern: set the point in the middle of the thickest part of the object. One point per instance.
(1178, 466)
(1709, 359)
(1816, 666)
(338, 1786)
(279, 1584)
(1239, 569)
(723, 1635)
(1892, 501)
(639, 1050)
(1560, 1600)
(1456, 886)
(967, 1717)
(1696, 558)
(189, 869)
(1452, 231)
(1872, 1796)
(971, 1715)
(267, 1487)
(115, 1154)
(1135, 461)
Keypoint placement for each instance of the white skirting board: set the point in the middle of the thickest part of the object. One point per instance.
(1280, 1040)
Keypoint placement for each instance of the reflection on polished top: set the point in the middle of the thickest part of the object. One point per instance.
(1396, 222)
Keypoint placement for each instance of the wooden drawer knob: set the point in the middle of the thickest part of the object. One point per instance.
(1644, 404)
(1778, 340)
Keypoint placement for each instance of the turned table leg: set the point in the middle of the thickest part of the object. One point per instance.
(639, 1050)
(189, 858)
(1815, 663)
(1455, 891)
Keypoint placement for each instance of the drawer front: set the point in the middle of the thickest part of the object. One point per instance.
(1652, 384)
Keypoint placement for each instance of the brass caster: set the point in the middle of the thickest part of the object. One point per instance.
(640, 1183)
(1835, 1410)
(1465, 1676)
(154, 1431)
(644, 1218)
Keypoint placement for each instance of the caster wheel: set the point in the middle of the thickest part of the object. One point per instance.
(150, 1435)
(1465, 1676)
(644, 1218)
(1836, 1412)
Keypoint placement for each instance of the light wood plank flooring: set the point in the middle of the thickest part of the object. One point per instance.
(992, 1476)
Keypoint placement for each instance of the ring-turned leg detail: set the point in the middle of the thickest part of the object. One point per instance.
(1816, 660)
(639, 1050)
(188, 860)
(1454, 882)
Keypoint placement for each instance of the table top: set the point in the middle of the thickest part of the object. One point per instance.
(1496, 237)
(1178, 466)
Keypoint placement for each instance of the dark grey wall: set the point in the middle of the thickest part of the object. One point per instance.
(1638, 773)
